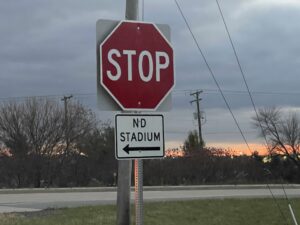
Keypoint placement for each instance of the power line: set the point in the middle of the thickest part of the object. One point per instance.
(176, 91)
(242, 71)
(44, 96)
(28, 97)
(216, 91)
(252, 101)
(217, 84)
(212, 74)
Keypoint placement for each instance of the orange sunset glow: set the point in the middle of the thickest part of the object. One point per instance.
(241, 148)
(174, 149)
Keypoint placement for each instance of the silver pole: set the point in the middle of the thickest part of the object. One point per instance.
(132, 10)
(125, 166)
(123, 194)
(293, 215)
(138, 191)
(143, 10)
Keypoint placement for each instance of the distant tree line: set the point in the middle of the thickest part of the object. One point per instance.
(44, 143)
(211, 166)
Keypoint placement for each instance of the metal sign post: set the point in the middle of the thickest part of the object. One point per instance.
(124, 168)
(120, 82)
(138, 191)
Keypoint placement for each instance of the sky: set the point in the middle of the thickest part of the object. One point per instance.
(48, 48)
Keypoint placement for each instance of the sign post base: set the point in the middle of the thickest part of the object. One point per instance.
(138, 191)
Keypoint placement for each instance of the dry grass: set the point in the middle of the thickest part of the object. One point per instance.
(206, 212)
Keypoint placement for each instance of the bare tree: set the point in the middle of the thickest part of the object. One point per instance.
(12, 134)
(45, 139)
(281, 131)
(30, 130)
(78, 122)
(13, 138)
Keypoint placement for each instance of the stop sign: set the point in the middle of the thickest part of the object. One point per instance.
(137, 65)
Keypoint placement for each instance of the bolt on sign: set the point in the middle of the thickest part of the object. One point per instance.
(137, 66)
(139, 136)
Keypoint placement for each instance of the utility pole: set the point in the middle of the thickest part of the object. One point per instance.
(65, 99)
(197, 100)
(125, 166)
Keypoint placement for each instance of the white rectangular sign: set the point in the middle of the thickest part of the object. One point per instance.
(139, 136)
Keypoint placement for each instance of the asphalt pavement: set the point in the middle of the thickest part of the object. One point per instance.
(39, 199)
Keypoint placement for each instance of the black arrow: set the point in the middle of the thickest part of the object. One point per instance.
(128, 149)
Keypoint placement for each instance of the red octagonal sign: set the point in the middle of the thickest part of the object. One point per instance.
(137, 65)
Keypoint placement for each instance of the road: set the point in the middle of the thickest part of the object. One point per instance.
(20, 201)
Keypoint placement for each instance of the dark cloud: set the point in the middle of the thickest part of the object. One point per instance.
(48, 47)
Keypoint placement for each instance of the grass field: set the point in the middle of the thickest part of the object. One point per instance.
(206, 212)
